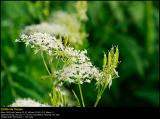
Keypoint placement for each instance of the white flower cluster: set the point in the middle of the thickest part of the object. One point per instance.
(27, 103)
(76, 56)
(78, 73)
(41, 42)
(50, 28)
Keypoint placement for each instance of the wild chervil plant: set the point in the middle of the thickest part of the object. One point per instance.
(57, 43)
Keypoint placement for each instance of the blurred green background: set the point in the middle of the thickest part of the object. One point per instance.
(133, 26)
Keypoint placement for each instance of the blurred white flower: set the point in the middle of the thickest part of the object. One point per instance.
(27, 103)
(50, 28)
(76, 35)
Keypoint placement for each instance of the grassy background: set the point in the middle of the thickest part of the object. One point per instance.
(133, 26)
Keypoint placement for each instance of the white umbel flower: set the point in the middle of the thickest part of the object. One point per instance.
(27, 103)
(73, 73)
(76, 56)
(42, 42)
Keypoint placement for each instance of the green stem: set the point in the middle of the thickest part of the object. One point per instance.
(100, 94)
(76, 98)
(80, 90)
(45, 64)
(97, 100)
(57, 63)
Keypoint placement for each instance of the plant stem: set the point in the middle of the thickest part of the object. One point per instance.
(57, 63)
(45, 64)
(100, 94)
(80, 90)
(97, 100)
(76, 98)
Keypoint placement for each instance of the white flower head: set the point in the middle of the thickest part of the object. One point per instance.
(42, 42)
(27, 103)
(76, 56)
(74, 73)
